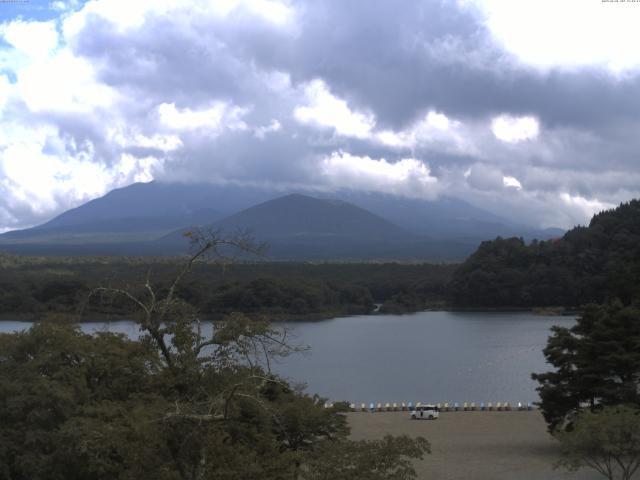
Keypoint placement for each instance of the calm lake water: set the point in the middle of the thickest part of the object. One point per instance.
(426, 356)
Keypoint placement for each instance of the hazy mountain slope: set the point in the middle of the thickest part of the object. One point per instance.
(299, 215)
(108, 230)
(141, 211)
(443, 218)
(156, 199)
(147, 211)
(299, 226)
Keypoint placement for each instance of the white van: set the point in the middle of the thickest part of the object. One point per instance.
(424, 412)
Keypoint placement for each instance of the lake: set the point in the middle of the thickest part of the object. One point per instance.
(426, 356)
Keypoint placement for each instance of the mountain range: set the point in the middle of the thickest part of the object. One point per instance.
(150, 218)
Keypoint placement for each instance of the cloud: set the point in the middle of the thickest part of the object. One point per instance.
(511, 182)
(465, 99)
(214, 118)
(62, 83)
(38, 181)
(486, 178)
(576, 33)
(262, 131)
(326, 110)
(407, 176)
(515, 129)
(5, 91)
(588, 207)
(34, 39)
(434, 125)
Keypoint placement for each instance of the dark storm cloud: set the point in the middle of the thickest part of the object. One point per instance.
(400, 61)
(395, 62)
(165, 60)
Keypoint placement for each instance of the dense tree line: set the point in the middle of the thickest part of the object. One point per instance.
(33, 286)
(587, 265)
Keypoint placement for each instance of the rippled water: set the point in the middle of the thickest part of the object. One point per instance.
(426, 356)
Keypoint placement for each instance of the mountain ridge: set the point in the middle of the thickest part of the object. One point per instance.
(299, 226)
(134, 218)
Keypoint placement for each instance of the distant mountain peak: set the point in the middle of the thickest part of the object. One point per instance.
(298, 214)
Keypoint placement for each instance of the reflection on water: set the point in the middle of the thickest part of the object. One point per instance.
(427, 356)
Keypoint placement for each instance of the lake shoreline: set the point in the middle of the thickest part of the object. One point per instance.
(311, 317)
(477, 357)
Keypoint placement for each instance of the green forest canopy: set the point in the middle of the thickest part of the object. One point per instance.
(36, 286)
(587, 265)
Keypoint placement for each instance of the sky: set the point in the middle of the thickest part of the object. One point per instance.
(527, 108)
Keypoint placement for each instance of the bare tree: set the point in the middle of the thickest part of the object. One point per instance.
(176, 330)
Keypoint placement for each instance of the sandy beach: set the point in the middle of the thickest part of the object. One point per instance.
(475, 445)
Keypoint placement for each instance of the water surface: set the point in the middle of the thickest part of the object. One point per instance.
(426, 356)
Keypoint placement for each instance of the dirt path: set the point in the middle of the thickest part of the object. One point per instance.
(475, 445)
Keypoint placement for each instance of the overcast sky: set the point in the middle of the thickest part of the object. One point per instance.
(528, 108)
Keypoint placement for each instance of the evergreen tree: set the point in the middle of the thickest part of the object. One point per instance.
(597, 363)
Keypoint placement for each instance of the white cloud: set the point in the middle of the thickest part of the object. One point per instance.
(161, 142)
(408, 176)
(587, 207)
(63, 83)
(511, 182)
(38, 180)
(275, 12)
(515, 129)
(58, 5)
(34, 39)
(63, 6)
(133, 169)
(437, 120)
(127, 136)
(130, 15)
(5, 91)
(278, 13)
(123, 14)
(567, 33)
(433, 127)
(327, 110)
(218, 116)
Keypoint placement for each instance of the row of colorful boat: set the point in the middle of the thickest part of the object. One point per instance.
(442, 407)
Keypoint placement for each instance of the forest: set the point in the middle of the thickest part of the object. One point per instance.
(31, 287)
(589, 264)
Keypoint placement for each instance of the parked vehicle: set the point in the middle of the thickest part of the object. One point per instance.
(424, 412)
